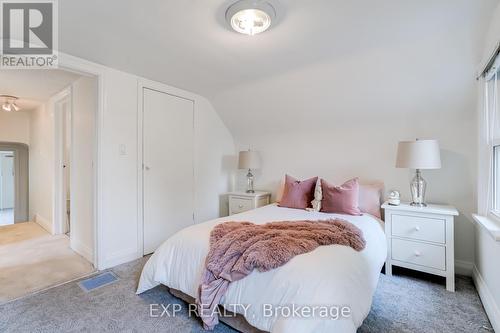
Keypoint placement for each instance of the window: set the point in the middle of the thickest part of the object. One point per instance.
(496, 180)
(489, 139)
(493, 94)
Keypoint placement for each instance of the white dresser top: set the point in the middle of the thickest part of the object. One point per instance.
(430, 209)
(251, 195)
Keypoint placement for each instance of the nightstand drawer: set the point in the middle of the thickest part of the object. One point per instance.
(428, 255)
(421, 228)
(240, 205)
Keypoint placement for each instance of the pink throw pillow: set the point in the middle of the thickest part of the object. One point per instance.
(370, 199)
(342, 199)
(298, 194)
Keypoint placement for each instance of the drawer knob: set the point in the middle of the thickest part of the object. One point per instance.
(417, 253)
(417, 228)
(240, 206)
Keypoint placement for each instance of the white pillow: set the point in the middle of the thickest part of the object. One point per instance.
(318, 196)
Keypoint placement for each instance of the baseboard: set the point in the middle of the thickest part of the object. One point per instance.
(492, 309)
(82, 250)
(44, 223)
(463, 267)
(119, 257)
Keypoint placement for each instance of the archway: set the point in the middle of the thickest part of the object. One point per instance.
(21, 179)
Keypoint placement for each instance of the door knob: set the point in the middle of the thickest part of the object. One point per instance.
(417, 253)
(147, 168)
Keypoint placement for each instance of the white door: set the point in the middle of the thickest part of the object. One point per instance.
(168, 166)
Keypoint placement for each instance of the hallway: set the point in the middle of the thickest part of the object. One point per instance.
(31, 260)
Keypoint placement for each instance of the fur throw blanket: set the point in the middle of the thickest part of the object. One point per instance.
(237, 248)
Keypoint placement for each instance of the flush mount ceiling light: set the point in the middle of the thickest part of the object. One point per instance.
(250, 17)
(9, 103)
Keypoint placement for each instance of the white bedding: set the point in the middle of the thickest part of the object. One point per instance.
(328, 276)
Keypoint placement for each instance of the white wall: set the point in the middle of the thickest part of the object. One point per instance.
(84, 102)
(487, 274)
(41, 166)
(342, 116)
(215, 162)
(118, 204)
(14, 127)
(487, 269)
(121, 224)
(368, 150)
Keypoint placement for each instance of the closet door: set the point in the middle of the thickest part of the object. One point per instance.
(168, 139)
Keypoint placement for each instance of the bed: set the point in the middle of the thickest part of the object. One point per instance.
(330, 276)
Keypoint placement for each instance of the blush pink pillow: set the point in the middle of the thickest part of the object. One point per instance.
(343, 199)
(370, 198)
(298, 194)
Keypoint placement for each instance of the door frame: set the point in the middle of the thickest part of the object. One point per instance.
(21, 179)
(59, 202)
(11, 155)
(87, 68)
(162, 88)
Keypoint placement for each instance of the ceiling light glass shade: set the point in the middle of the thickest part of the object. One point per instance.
(250, 17)
(250, 21)
(9, 103)
(6, 107)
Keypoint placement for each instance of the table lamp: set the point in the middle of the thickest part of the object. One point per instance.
(249, 160)
(419, 155)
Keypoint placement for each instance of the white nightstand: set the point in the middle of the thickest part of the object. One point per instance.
(240, 202)
(421, 238)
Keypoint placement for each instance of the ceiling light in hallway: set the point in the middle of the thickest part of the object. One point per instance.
(9, 103)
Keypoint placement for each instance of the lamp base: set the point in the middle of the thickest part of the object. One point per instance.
(250, 182)
(417, 189)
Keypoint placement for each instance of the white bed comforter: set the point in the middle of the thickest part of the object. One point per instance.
(333, 276)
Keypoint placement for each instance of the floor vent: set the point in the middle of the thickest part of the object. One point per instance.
(98, 281)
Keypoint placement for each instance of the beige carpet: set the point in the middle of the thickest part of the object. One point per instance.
(31, 260)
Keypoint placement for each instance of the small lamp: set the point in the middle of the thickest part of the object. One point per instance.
(418, 154)
(249, 160)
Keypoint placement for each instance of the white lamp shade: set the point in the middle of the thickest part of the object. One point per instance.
(249, 160)
(419, 154)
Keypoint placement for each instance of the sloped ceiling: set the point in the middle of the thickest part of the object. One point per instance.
(324, 61)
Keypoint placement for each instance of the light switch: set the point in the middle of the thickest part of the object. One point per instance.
(123, 150)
